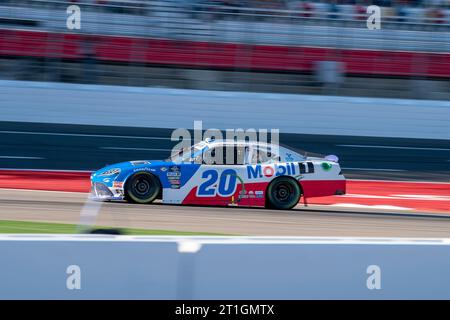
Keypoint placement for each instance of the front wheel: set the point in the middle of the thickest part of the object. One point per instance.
(142, 187)
(283, 193)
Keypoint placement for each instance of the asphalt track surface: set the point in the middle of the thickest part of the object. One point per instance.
(82, 147)
(65, 207)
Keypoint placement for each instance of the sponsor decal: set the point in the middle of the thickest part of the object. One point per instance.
(110, 172)
(268, 171)
(117, 184)
(259, 194)
(289, 157)
(306, 167)
(223, 185)
(107, 180)
(163, 169)
(243, 194)
(251, 194)
(173, 174)
(326, 166)
(144, 169)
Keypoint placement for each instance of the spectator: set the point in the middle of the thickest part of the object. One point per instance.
(232, 6)
(360, 12)
(435, 15)
(306, 9)
(88, 53)
(401, 11)
(333, 10)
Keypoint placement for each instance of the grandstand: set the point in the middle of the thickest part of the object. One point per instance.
(317, 47)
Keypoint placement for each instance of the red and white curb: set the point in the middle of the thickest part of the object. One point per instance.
(367, 194)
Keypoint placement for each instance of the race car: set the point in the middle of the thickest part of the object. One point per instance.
(223, 173)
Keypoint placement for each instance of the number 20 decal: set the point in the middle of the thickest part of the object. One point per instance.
(225, 188)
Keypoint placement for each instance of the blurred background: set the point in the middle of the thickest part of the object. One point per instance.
(75, 100)
(286, 46)
(114, 90)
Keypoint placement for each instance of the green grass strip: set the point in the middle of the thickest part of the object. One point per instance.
(14, 226)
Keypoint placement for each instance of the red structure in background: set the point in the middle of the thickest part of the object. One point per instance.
(21, 43)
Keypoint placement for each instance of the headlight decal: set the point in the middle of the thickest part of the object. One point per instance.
(110, 172)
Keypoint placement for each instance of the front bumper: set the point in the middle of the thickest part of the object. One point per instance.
(100, 191)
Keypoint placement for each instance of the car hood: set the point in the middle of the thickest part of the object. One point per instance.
(130, 165)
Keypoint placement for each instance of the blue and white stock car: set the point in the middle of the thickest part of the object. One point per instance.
(259, 175)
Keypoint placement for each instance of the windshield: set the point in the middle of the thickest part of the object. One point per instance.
(189, 154)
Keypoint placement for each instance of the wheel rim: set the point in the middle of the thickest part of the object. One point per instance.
(283, 192)
(143, 187)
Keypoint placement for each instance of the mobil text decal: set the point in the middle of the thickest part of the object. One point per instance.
(260, 171)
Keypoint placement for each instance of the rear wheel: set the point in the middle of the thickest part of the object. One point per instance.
(283, 193)
(142, 187)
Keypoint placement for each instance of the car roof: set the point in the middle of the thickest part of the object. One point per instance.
(233, 142)
(280, 146)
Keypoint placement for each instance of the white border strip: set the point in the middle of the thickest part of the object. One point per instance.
(229, 240)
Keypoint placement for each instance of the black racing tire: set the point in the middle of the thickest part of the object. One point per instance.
(283, 193)
(142, 187)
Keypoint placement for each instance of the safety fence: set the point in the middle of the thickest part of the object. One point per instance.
(145, 267)
(177, 108)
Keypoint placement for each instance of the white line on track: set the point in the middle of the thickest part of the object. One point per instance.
(426, 197)
(84, 135)
(21, 157)
(372, 169)
(390, 147)
(423, 197)
(138, 149)
(399, 181)
(362, 206)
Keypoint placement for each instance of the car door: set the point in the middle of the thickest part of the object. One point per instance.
(261, 169)
(220, 179)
